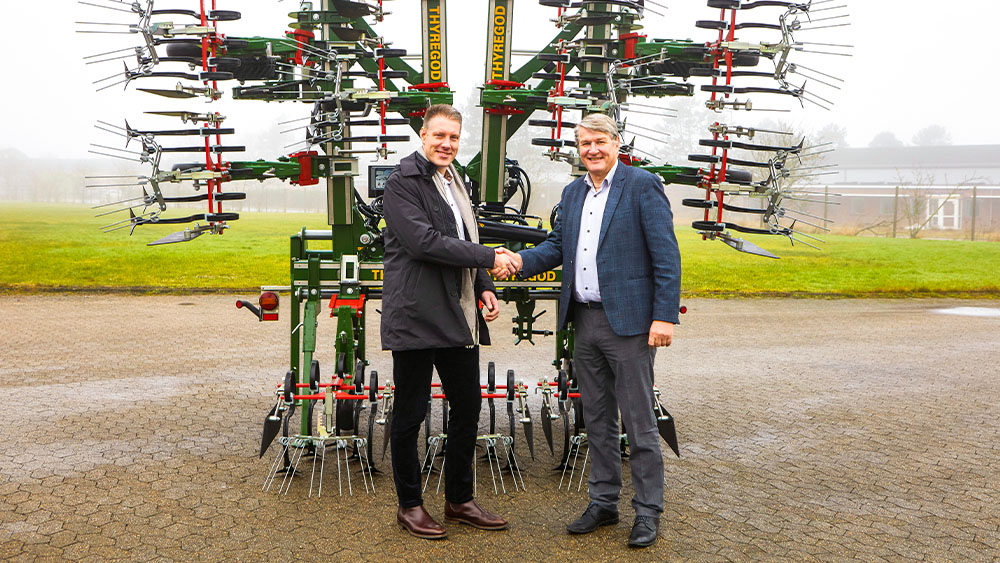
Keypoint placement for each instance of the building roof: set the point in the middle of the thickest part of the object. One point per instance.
(973, 157)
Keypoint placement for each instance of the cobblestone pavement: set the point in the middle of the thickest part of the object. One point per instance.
(810, 430)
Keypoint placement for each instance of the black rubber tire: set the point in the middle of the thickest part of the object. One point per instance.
(215, 217)
(184, 49)
(230, 43)
(510, 385)
(699, 203)
(724, 4)
(390, 53)
(549, 123)
(314, 376)
(224, 15)
(739, 176)
(718, 88)
(289, 389)
(229, 196)
(558, 143)
(373, 386)
(345, 415)
(215, 75)
(359, 378)
(708, 226)
(705, 71)
(562, 385)
(717, 143)
(232, 62)
(491, 378)
(250, 68)
(746, 59)
(711, 24)
(709, 158)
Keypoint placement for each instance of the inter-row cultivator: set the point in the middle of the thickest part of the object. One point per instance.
(362, 97)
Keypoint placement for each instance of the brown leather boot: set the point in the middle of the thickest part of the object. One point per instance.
(470, 513)
(419, 523)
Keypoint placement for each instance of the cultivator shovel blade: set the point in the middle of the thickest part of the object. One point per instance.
(547, 427)
(272, 425)
(665, 424)
(386, 430)
(529, 435)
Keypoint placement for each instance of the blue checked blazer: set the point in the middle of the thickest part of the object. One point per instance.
(638, 263)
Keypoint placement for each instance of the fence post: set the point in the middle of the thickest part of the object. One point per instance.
(895, 211)
(973, 235)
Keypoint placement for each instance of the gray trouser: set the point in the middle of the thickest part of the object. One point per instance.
(616, 373)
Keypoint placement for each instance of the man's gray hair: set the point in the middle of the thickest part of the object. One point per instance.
(442, 110)
(599, 122)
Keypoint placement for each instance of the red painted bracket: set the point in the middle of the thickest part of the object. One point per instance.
(305, 168)
(358, 304)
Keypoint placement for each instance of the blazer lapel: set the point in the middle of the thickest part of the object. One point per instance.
(572, 217)
(614, 196)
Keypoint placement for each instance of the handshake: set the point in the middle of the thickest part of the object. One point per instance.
(505, 264)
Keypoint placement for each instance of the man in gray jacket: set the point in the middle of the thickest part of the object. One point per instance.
(621, 283)
(435, 276)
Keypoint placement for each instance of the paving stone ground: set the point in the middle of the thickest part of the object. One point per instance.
(810, 429)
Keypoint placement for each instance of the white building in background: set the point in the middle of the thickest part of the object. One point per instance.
(945, 188)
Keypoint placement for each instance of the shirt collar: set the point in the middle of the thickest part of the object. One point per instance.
(607, 179)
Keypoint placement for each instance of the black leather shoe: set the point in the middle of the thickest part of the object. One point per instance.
(592, 518)
(643, 531)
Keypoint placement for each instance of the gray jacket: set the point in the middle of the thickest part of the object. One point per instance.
(423, 262)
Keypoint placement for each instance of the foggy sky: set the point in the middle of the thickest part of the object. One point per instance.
(915, 64)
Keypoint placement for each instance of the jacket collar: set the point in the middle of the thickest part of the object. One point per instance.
(417, 165)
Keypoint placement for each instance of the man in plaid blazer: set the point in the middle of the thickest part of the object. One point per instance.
(621, 282)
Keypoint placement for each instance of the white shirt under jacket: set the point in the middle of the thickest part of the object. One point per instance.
(587, 288)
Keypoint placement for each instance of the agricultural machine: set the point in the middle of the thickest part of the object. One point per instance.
(364, 98)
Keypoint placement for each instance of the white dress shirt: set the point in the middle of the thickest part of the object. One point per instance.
(587, 288)
(450, 198)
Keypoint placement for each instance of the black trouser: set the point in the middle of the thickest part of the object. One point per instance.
(458, 369)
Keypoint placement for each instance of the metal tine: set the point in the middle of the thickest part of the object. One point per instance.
(515, 466)
(347, 467)
(274, 469)
(289, 469)
(799, 220)
(797, 65)
(371, 473)
(812, 167)
(576, 456)
(99, 80)
(116, 149)
(118, 58)
(102, 23)
(440, 475)
(583, 471)
(800, 50)
(808, 235)
(113, 85)
(627, 125)
(491, 454)
(322, 466)
(312, 475)
(106, 32)
(121, 176)
(503, 486)
(792, 237)
(630, 104)
(320, 115)
(821, 27)
(431, 447)
(113, 211)
(565, 464)
(642, 136)
(816, 153)
(106, 7)
(815, 174)
(116, 156)
(842, 16)
(824, 44)
(648, 113)
(340, 483)
(798, 212)
(793, 198)
(112, 125)
(132, 49)
(113, 186)
(804, 97)
(290, 474)
(813, 78)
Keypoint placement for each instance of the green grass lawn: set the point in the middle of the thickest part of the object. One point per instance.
(55, 246)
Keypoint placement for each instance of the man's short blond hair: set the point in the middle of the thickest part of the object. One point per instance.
(442, 110)
(599, 122)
